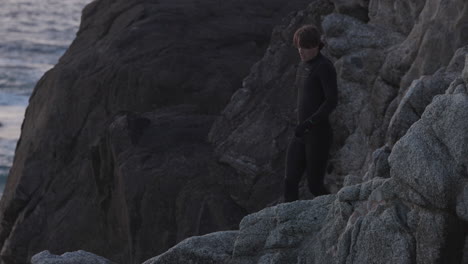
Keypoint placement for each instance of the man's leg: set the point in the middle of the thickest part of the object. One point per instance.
(295, 166)
(318, 141)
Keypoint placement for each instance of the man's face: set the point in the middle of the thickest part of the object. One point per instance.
(307, 53)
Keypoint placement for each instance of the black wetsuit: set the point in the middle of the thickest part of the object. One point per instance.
(316, 98)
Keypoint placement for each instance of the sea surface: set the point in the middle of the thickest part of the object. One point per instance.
(33, 36)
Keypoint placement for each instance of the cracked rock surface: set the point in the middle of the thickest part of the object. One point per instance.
(213, 88)
(389, 64)
(417, 214)
(70, 186)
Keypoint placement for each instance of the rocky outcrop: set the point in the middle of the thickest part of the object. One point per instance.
(160, 168)
(417, 215)
(90, 173)
(408, 210)
(73, 187)
(253, 131)
(391, 62)
(80, 256)
(420, 94)
(213, 248)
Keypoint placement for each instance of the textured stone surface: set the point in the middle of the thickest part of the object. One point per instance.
(415, 213)
(177, 174)
(355, 8)
(465, 70)
(462, 202)
(252, 133)
(441, 154)
(214, 248)
(149, 180)
(411, 107)
(379, 166)
(275, 234)
(77, 257)
(376, 63)
(129, 56)
(144, 164)
(397, 15)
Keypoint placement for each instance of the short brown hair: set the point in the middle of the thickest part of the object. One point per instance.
(307, 36)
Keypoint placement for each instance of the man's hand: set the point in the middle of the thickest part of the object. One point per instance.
(302, 128)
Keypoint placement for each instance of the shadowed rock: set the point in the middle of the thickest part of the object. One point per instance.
(376, 63)
(416, 216)
(128, 186)
(214, 248)
(65, 189)
(355, 8)
(79, 256)
(252, 133)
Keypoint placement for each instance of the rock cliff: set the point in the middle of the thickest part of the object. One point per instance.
(90, 171)
(419, 214)
(404, 175)
(85, 175)
(377, 59)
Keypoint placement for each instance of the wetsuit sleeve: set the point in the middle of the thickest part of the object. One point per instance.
(327, 76)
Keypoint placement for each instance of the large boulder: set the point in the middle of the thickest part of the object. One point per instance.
(82, 171)
(158, 181)
(214, 248)
(253, 130)
(64, 190)
(417, 215)
(377, 57)
(420, 94)
(77, 257)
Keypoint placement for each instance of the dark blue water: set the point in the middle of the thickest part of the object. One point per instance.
(33, 35)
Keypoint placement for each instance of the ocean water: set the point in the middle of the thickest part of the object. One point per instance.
(33, 36)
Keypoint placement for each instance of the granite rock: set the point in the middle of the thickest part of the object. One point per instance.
(214, 248)
(143, 182)
(465, 70)
(252, 132)
(77, 257)
(129, 56)
(416, 213)
(355, 8)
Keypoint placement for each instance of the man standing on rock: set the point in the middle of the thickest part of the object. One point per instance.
(316, 99)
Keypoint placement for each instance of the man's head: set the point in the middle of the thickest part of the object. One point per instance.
(307, 40)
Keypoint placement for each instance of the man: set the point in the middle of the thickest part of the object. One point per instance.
(316, 98)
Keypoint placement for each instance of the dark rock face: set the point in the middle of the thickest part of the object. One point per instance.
(71, 186)
(214, 248)
(389, 69)
(159, 166)
(90, 174)
(355, 8)
(79, 256)
(151, 181)
(416, 214)
(252, 133)
(420, 94)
